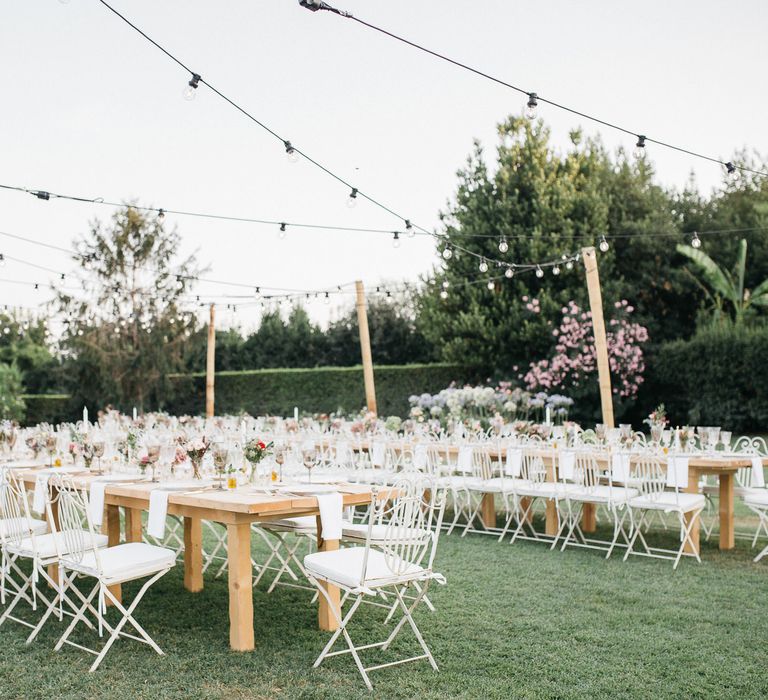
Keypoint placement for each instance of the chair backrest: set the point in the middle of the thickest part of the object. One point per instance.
(648, 476)
(412, 521)
(587, 472)
(533, 467)
(14, 508)
(75, 526)
(752, 447)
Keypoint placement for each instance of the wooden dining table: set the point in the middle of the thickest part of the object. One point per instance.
(237, 510)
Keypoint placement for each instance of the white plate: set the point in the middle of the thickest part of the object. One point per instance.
(183, 485)
(310, 489)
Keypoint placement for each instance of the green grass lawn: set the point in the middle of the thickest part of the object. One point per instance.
(513, 622)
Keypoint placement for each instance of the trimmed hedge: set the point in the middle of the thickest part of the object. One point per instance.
(48, 408)
(321, 389)
(718, 377)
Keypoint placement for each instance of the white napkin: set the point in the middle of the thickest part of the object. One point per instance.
(377, 454)
(464, 463)
(758, 477)
(677, 472)
(41, 491)
(96, 495)
(567, 464)
(420, 457)
(342, 452)
(331, 507)
(514, 463)
(620, 467)
(158, 509)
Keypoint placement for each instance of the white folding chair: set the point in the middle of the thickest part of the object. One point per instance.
(80, 557)
(405, 556)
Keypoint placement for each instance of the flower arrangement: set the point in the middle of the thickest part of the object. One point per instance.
(255, 451)
(393, 423)
(196, 450)
(658, 416)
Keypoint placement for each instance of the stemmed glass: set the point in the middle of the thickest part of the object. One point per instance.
(220, 458)
(98, 452)
(50, 447)
(280, 459)
(153, 455)
(309, 457)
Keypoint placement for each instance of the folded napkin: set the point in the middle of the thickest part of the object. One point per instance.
(464, 463)
(420, 457)
(41, 485)
(343, 453)
(677, 472)
(158, 509)
(567, 464)
(514, 463)
(96, 495)
(758, 476)
(378, 450)
(331, 511)
(620, 467)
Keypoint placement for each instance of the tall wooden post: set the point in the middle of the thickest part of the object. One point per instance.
(365, 347)
(598, 327)
(210, 364)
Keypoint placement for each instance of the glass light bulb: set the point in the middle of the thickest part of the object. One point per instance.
(483, 266)
(447, 254)
(530, 107)
(443, 294)
(503, 245)
(555, 270)
(696, 241)
(539, 272)
(491, 284)
(189, 93)
(292, 156)
(509, 273)
(604, 245)
(446, 284)
(351, 202)
(396, 241)
(569, 265)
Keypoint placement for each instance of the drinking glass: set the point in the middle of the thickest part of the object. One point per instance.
(153, 455)
(98, 452)
(280, 459)
(725, 439)
(309, 457)
(220, 455)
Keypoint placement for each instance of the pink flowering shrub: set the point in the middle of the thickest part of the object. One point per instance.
(574, 361)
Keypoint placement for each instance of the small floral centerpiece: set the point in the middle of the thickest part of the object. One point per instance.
(254, 452)
(196, 450)
(370, 421)
(88, 451)
(34, 443)
(686, 435)
(393, 423)
(497, 423)
(657, 420)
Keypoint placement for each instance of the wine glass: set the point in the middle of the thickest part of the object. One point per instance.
(309, 457)
(153, 455)
(220, 455)
(280, 459)
(98, 451)
(50, 447)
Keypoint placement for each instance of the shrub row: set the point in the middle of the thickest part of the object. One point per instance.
(321, 389)
(49, 408)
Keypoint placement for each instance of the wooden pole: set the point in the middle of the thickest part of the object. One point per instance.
(598, 327)
(365, 347)
(210, 364)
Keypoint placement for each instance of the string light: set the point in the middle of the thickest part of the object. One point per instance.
(160, 214)
(282, 232)
(503, 245)
(2, 260)
(191, 89)
(443, 294)
(395, 240)
(327, 298)
(447, 253)
(639, 151)
(696, 241)
(539, 272)
(290, 152)
(569, 265)
(483, 266)
(556, 270)
(604, 245)
(446, 284)
(491, 285)
(530, 106)
(409, 229)
(509, 273)
(731, 171)
(352, 199)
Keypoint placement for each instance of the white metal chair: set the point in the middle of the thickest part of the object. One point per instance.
(652, 482)
(80, 557)
(404, 557)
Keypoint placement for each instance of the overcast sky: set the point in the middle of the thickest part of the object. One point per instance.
(88, 107)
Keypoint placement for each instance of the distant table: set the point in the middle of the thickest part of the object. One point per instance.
(237, 510)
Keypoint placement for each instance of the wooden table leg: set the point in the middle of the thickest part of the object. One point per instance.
(524, 503)
(193, 554)
(326, 618)
(693, 487)
(113, 534)
(488, 511)
(589, 517)
(133, 525)
(240, 587)
(727, 534)
(553, 519)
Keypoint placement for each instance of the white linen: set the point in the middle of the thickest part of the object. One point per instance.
(677, 471)
(41, 485)
(96, 495)
(377, 454)
(158, 510)
(331, 507)
(620, 467)
(514, 463)
(420, 457)
(567, 464)
(464, 463)
(758, 476)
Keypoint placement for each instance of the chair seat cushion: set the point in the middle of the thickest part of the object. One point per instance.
(545, 489)
(359, 533)
(128, 561)
(26, 525)
(304, 523)
(46, 545)
(506, 485)
(603, 494)
(756, 497)
(345, 567)
(669, 501)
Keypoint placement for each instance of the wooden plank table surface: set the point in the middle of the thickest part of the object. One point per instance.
(237, 510)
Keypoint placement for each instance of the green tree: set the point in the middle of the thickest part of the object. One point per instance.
(24, 343)
(11, 404)
(128, 328)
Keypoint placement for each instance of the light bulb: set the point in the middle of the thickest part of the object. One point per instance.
(327, 298)
(446, 284)
(503, 245)
(290, 152)
(447, 254)
(556, 270)
(695, 241)
(509, 273)
(491, 285)
(160, 214)
(443, 294)
(483, 265)
(282, 233)
(539, 272)
(352, 200)
(396, 240)
(569, 265)
(191, 89)
(639, 150)
(2, 260)
(530, 107)
(731, 171)
(604, 245)
(409, 229)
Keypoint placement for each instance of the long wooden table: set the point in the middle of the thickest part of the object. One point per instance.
(237, 510)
